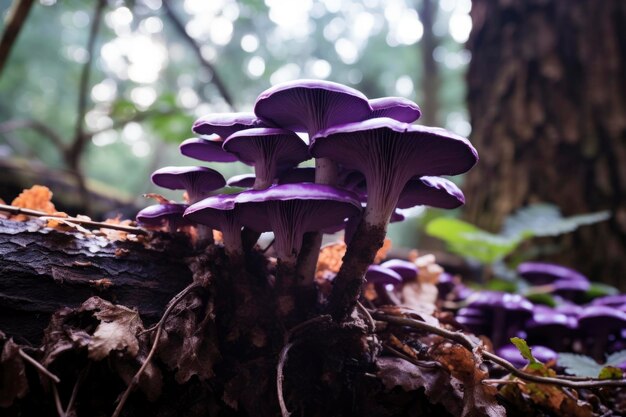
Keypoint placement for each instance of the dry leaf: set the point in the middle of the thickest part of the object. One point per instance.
(117, 329)
(13, 382)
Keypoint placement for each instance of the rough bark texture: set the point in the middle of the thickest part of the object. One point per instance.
(42, 270)
(547, 99)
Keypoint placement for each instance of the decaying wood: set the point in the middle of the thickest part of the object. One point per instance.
(547, 101)
(42, 270)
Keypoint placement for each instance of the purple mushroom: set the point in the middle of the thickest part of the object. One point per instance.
(160, 215)
(197, 181)
(431, 191)
(311, 106)
(267, 149)
(512, 354)
(381, 277)
(600, 325)
(397, 108)
(388, 153)
(543, 273)
(219, 212)
(225, 124)
(551, 328)
(407, 270)
(208, 150)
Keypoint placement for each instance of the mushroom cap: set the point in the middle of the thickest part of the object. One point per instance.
(296, 175)
(397, 108)
(616, 300)
(601, 318)
(514, 304)
(389, 153)
(554, 321)
(157, 214)
(431, 191)
(251, 145)
(570, 289)
(218, 212)
(378, 274)
(311, 105)
(407, 270)
(241, 180)
(197, 181)
(513, 355)
(208, 150)
(542, 273)
(225, 124)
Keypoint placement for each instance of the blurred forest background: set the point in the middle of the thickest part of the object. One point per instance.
(95, 95)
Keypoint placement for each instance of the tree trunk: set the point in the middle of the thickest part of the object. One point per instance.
(547, 99)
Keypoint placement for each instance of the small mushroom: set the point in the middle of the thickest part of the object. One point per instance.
(600, 325)
(225, 124)
(241, 181)
(267, 149)
(197, 181)
(551, 328)
(407, 270)
(512, 354)
(208, 150)
(543, 273)
(431, 191)
(160, 215)
(397, 108)
(381, 277)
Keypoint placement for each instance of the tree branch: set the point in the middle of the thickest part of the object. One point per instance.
(37, 126)
(221, 87)
(15, 21)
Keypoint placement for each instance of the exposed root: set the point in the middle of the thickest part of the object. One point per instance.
(280, 377)
(39, 366)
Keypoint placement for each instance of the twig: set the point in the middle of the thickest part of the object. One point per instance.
(416, 362)
(280, 377)
(79, 381)
(503, 381)
(14, 23)
(100, 225)
(464, 341)
(368, 316)
(39, 366)
(37, 126)
(221, 87)
(57, 401)
(173, 302)
(297, 328)
(155, 345)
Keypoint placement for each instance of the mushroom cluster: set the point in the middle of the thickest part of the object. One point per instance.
(369, 161)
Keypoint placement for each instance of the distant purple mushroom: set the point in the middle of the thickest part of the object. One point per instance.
(543, 273)
(197, 181)
(600, 324)
(267, 149)
(407, 270)
(208, 150)
(512, 354)
(381, 277)
(397, 108)
(551, 328)
(615, 301)
(388, 153)
(311, 106)
(160, 215)
(225, 124)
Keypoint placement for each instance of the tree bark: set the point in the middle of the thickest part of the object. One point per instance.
(547, 85)
(43, 270)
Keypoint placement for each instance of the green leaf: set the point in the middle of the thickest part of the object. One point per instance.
(468, 240)
(541, 298)
(610, 372)
(616, 358)
(579, 365)
(597, 289)
(524, 349)
(546, 220)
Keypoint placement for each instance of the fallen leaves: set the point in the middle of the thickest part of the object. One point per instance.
(13, 383)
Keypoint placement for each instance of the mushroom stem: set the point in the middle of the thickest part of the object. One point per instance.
(325, 171)
(307, 260)
(285, 282)
(232, 243)
(205, 236)
(367, 240)
(264, 173)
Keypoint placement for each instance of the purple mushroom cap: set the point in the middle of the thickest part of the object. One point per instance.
(242, 181)
(610, 300)
(378, 274)
(225, 124)
(159, 215)
(407, 270)
(290, 210)
(197, 181)
(551, 328)
(311, 105)
(268, 149)
(431, 191)
(598, 323)
(513, 355)
(397, 108)
(389, 153)
(543, 273)
(208, 150)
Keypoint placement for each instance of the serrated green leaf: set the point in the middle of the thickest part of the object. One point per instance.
(616, 358)
(524, 349)
(579, 365)
(610, 372)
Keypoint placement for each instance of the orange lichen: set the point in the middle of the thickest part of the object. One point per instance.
(37, 198)
(330, 260)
